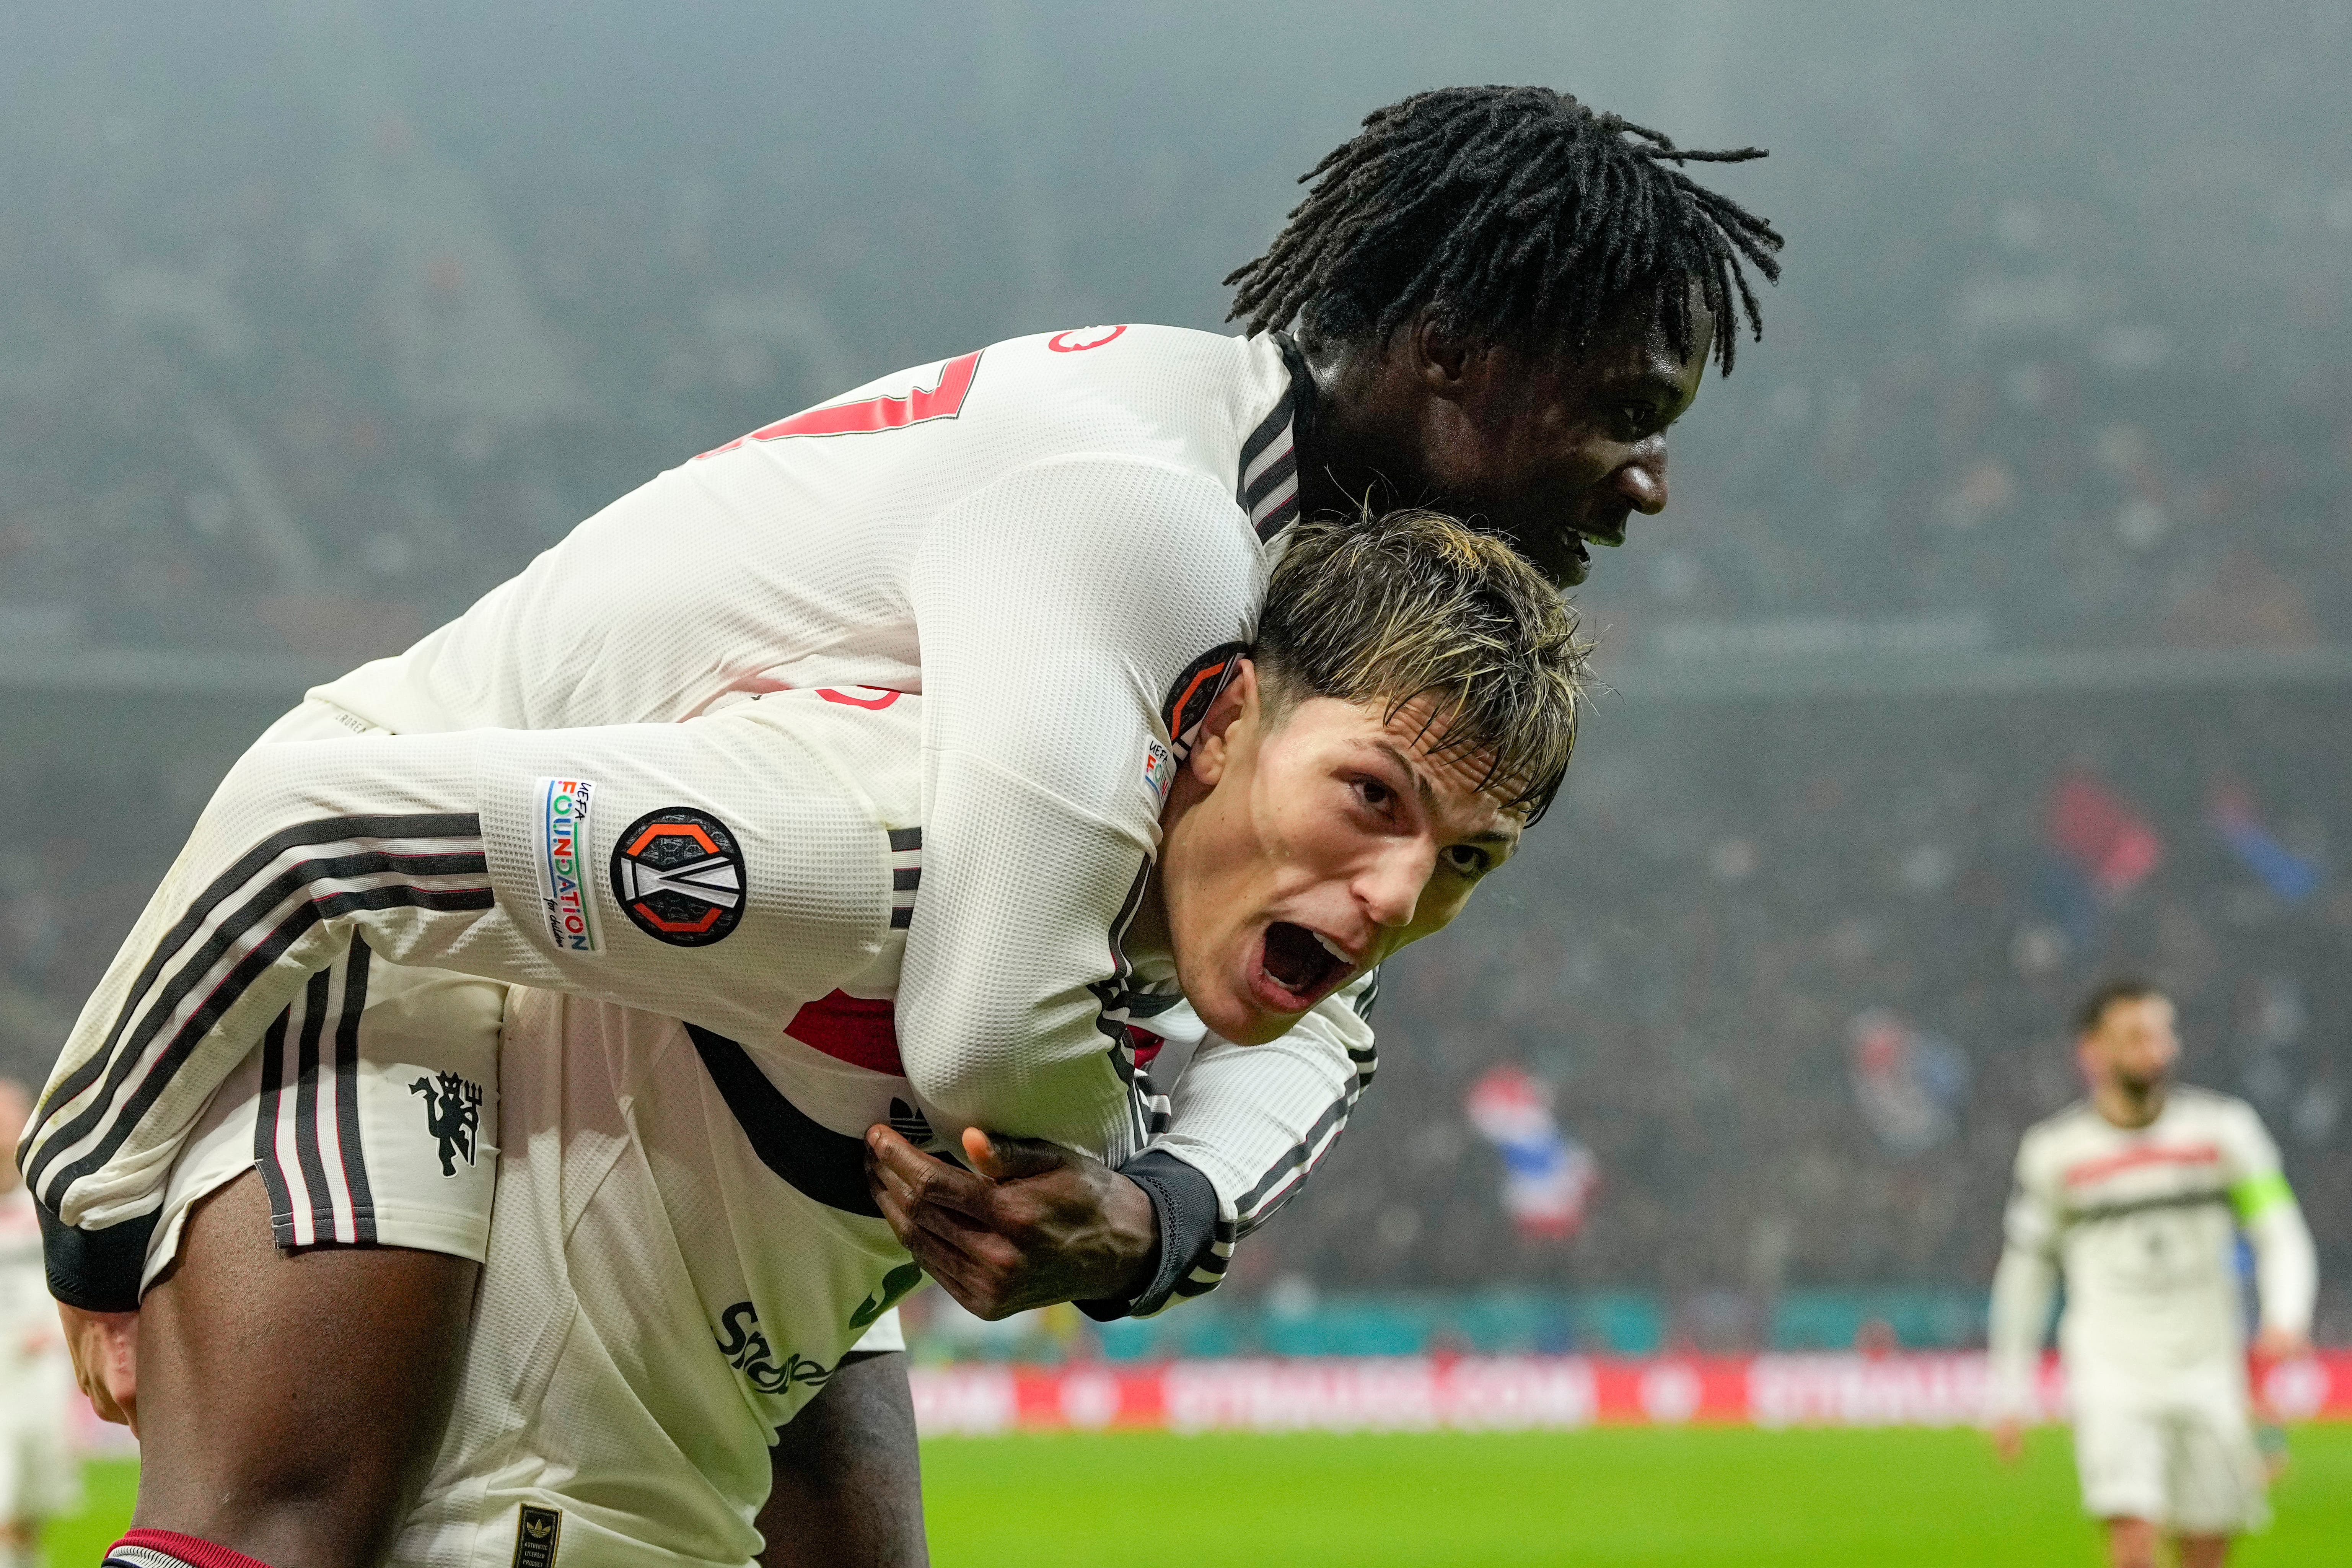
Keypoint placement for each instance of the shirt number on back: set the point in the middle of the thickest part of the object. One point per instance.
(867, 415)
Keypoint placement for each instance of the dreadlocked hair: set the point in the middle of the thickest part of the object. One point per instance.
(1512, 210)
(1414, 604)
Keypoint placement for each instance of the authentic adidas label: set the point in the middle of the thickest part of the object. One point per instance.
(537, 1532)
(562, 863)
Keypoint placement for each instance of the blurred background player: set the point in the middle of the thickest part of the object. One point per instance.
(38, 1476)
(2137, 1192)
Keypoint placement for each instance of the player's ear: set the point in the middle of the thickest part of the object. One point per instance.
(1443, 362)
(1234, 715)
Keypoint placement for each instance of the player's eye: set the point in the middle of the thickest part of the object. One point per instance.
(1373, 792)
(1468, 860)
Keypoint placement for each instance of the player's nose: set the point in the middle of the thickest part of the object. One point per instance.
(1388, 889)
(1642, 478)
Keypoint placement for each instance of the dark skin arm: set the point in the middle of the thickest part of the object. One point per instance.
(849, 1480)
(1028, 1225)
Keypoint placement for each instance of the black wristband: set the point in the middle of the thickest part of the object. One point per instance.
(96, 1270)
(1184, 1204)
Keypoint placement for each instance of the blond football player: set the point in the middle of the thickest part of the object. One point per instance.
(683, 1244)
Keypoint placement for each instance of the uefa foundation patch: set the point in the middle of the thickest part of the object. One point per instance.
(1158, 772)
(678, 876)
(562, 863)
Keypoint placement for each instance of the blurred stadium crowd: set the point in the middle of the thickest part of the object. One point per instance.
(303, 379)
(1879, 923)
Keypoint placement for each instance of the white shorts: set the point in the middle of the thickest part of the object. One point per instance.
(370, 1109)
(370, 1106)
(2182, 1457)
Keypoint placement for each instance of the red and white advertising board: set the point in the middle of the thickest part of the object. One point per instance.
(1414, 1394)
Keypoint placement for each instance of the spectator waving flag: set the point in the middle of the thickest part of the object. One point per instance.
(2100, 836)
(1547, 1175)
(2292, 877)
(2099, 851)
(1907, 1084)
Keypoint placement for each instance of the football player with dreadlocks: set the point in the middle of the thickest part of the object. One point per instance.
(1493, 300)
(1502, 300)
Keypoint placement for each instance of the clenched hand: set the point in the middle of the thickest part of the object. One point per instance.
(105, 1350)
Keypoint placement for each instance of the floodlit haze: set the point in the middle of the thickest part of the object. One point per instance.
(318, 320)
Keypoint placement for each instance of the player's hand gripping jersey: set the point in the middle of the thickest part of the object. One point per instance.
(1056, 540)
(2143, 1221)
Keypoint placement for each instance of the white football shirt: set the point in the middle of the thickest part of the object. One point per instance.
(2143, 1221)
(1057, 541)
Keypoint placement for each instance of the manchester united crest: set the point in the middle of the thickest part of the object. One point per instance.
(678, 876)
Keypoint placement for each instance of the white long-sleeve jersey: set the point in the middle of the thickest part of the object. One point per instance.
(2142, 1221)
(1058, 540)
(756, 873)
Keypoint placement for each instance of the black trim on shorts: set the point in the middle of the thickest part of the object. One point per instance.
(264, 1130)
(347, 1092)
(300, 1076)
(306, 1106)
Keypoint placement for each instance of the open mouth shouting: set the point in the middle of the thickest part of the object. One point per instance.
(1298, 967)
(1571, 550)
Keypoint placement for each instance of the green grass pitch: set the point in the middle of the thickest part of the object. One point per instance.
(1656, 1498)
